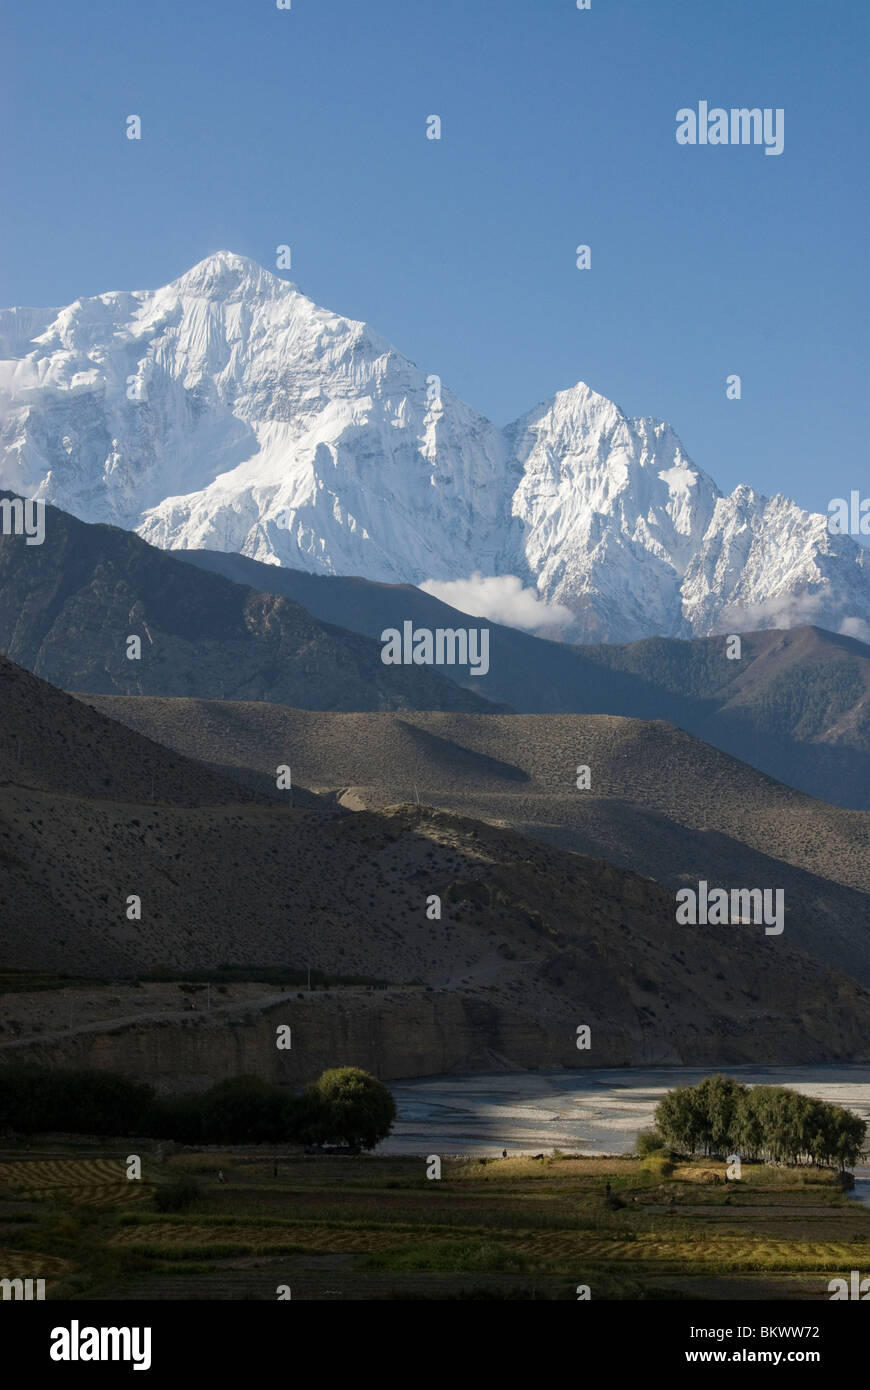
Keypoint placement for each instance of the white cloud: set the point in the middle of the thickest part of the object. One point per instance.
(856, 627)
(784, 611)
(791, 610)
(501, 598)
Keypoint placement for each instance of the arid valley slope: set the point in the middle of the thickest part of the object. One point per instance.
(534, 940)
(661, 803)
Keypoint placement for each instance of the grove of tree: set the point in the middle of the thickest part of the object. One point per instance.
(345, 1106)
(720, 1116)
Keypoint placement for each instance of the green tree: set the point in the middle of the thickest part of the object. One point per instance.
(244, 1110)
(718, 1097)
(34, 1100)
(849, 1133)
(351, 1107)
(679, 1120)
(748, 1124)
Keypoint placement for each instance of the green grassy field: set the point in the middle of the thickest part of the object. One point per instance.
(377, 1228)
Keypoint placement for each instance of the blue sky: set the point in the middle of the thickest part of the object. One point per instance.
(307, 127)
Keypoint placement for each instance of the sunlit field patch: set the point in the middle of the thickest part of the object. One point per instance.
(87, 1181)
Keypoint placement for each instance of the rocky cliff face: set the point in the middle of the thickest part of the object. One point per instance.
(405, 1033)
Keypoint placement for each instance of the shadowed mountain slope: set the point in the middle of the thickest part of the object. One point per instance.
(68, 607)
(661, 802)
(533, 939)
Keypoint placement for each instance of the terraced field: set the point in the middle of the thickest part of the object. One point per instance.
(27, 1264)
(87, 1182)
(371, 1228)
(553, 1251)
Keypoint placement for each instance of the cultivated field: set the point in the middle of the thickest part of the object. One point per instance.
(377, 1228)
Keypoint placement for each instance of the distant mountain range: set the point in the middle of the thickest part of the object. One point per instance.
(226, 411)
(795, 705)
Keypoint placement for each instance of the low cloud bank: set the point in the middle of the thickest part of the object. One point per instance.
(792, 610)
(501, 598)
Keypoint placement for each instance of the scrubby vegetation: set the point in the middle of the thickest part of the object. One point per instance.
(178, 1194)
(649, 1141)
(799, 702)
(802, 703)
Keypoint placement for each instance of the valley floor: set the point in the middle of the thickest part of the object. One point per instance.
(588, 1110)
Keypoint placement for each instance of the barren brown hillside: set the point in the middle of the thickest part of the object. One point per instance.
(537, 940)
(662, 803)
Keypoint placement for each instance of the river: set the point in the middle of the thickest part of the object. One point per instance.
(589, 1112)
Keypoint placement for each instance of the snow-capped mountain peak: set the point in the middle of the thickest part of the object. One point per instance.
(224, 275)
(227, 410)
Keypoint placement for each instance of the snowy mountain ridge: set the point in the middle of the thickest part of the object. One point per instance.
(228, 411)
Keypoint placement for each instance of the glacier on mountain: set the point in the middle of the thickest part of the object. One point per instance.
(228, 411)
